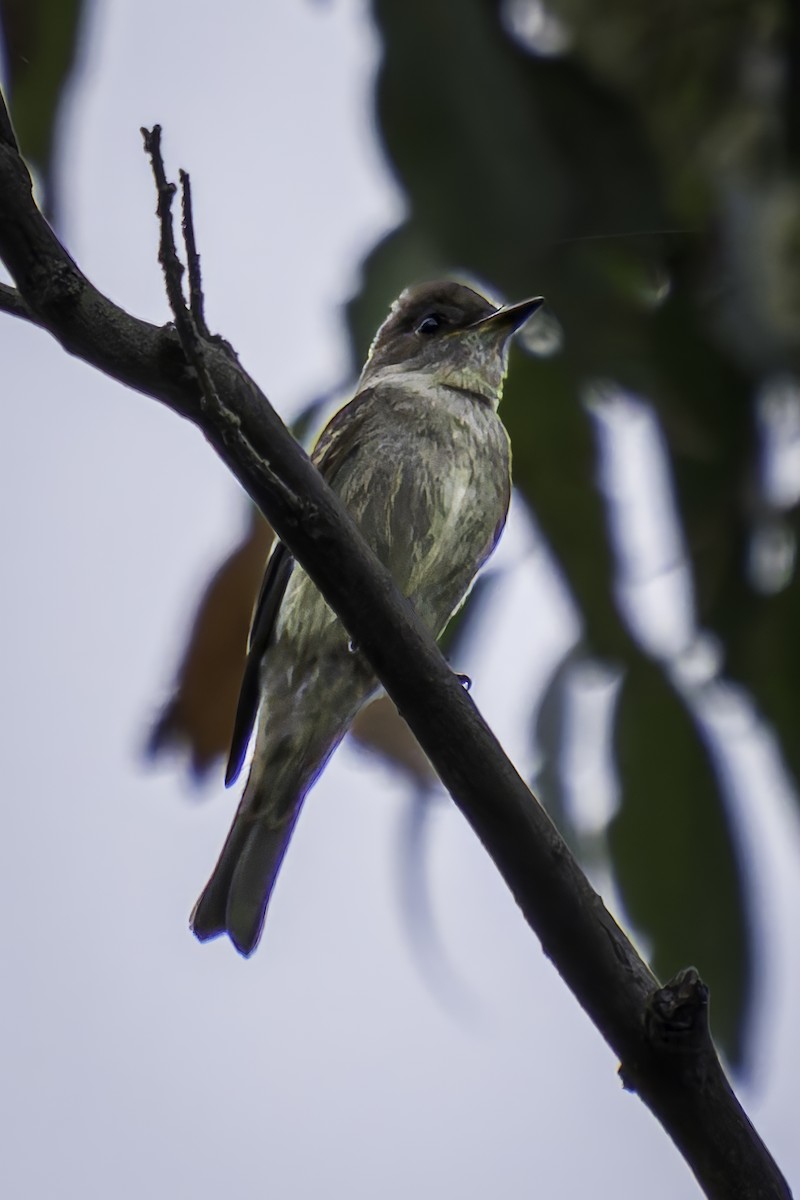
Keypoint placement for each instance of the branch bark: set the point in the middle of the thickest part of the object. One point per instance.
(661, 1035)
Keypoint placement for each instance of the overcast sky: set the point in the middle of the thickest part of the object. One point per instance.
(137, 1062)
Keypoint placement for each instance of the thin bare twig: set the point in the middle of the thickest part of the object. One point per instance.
(196, 297)
(193, 340)
(171, 264)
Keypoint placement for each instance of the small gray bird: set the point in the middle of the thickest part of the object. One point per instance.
(422, 462)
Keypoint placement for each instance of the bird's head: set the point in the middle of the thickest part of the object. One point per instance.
(450, 336)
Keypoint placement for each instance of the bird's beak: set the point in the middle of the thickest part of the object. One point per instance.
(507, 320)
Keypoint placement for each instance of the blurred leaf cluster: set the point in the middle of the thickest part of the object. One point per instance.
(638, 165)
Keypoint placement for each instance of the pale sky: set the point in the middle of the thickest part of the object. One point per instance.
(137, 1062)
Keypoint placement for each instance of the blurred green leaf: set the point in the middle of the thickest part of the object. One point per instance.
(489, 141)
(554, 469)
(680, 67)
(762, 635)
(549, 736)
(40, 41)
(461, 628)
(674, 858)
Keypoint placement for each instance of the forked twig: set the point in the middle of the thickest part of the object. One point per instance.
(196, 297)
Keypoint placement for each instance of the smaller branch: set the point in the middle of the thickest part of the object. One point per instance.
(171, 264)
(196, 297)
(11, 302)
(193, 343)
(185, 323)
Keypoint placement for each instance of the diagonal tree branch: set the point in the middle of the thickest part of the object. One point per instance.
(661, 1035)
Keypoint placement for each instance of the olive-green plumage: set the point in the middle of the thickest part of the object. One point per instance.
(422, 462)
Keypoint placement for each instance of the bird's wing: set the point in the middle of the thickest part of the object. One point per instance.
(338, 441)
(341, 437)
(273, 586)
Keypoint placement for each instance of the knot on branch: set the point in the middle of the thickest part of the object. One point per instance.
(56, 285)
(676, 1016)
(677, 1033)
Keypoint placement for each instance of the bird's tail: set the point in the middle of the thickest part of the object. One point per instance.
(234, 901)
(288, 756)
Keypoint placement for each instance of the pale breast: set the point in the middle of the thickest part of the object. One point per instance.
(437, 494)
(428, 485)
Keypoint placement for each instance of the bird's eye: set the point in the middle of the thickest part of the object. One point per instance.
(432, 323)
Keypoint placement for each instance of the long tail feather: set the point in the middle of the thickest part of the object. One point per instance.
(236, 896)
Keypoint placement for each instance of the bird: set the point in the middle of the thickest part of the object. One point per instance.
(422, 461)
